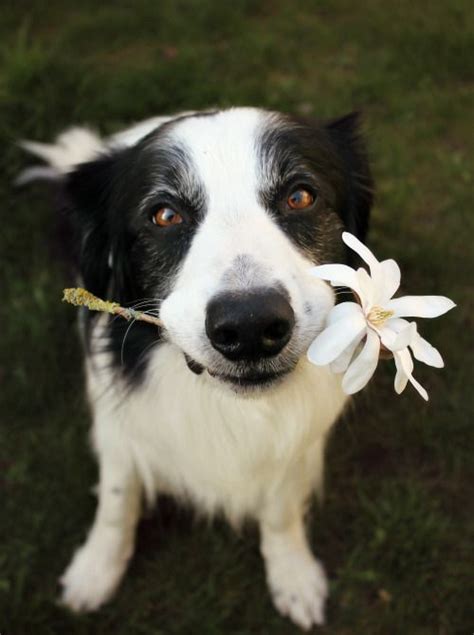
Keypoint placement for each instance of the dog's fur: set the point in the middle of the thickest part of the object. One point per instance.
(171, 413)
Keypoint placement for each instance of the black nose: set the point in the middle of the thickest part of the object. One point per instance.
(247, 326)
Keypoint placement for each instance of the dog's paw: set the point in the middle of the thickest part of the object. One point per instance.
(91, 578)
(298, 587)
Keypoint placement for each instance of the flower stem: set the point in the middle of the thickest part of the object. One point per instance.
(81, 297)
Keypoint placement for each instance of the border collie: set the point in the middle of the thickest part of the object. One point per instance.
(211, 221)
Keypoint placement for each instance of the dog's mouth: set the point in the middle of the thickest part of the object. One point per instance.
(244, 380)
(251, 379)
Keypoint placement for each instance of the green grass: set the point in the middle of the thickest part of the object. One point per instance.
(396, 531)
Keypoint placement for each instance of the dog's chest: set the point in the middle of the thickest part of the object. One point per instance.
(195, 439)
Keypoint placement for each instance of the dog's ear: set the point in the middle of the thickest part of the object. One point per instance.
(88, 194)
(345, 135)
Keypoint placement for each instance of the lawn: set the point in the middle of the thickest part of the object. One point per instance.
(396, 530)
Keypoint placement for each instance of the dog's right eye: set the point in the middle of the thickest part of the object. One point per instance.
(165, 217)
(300, 199)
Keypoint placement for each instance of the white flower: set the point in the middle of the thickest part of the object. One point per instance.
(378, 318)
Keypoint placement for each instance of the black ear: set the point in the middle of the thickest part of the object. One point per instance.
(346, 136)
(88, 193)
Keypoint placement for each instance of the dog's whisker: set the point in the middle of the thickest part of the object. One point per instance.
(151, 303)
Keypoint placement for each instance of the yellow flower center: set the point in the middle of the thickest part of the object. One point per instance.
(378, 316)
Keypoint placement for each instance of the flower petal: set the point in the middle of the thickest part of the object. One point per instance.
(424, 352)
(406, 362)
(390, 330)
(376, 271)
(418, 387)
(401, 378)
(367, 289)
(388, 337)
(330, 343)
(404, 337)
(426, 306)
(337, 275)
(343, 310)
(364, 252)
(397, 324)
(340, 364)
(390, 281)
(363, 367)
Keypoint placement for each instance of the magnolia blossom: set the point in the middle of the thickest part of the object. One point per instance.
(379, 319)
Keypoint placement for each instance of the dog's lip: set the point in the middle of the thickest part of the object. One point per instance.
(193, 365)
(252, 378)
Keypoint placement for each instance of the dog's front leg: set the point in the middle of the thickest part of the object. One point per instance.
(296, 580)
(98, 566)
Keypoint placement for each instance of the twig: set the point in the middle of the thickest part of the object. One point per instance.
(81, 297)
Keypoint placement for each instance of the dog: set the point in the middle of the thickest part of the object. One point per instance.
(210, 221)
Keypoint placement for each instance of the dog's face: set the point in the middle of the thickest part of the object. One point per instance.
(215, 219)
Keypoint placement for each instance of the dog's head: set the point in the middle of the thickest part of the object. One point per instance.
(214, 219)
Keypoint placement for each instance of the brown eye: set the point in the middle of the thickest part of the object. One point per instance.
(300, 199)
(166, 216)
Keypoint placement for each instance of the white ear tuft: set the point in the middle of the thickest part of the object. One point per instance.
(73, 146)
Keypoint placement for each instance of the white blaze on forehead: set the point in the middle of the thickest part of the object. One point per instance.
(224, 151)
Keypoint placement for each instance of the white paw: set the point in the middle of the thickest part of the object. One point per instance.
(92, 577)
(299, 587)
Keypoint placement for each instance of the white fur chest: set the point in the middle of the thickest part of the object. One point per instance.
(191, 437)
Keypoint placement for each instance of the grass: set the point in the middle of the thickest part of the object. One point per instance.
(396, 531)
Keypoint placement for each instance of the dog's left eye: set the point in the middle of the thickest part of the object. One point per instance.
(300, 199)
(165, 216)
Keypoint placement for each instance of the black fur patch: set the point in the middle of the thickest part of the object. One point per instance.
(331, 162)
(122, 255)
